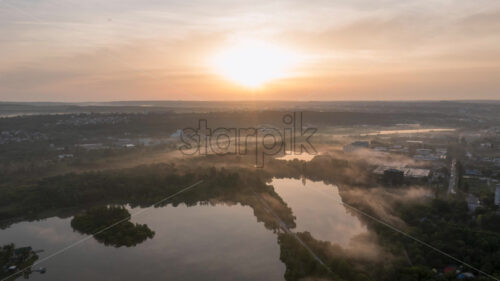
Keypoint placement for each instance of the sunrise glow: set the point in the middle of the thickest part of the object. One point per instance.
(253, 63)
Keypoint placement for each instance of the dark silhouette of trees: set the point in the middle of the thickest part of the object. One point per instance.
(98, 220)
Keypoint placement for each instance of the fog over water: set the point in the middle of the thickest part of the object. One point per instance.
(317, 210)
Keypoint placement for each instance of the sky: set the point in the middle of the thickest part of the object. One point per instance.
(69, 50)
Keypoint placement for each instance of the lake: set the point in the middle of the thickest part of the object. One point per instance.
(409, 131)
(317, 210)
(202, 242)
(290, 155)
(191, 243)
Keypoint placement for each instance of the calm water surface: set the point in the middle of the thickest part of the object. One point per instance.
(191, 243)
(201, 242)
(289, 156)
(409, 131)
(317, 210)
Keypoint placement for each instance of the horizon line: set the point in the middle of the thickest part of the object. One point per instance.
(246, 100)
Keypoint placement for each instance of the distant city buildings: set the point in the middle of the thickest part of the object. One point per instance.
(92, 119)
(18, 136)
(427, 154)
(91, 146)
(407, 172)
(472, 172)
(64, 156)
(356, 146)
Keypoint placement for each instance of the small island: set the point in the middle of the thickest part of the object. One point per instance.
(98, 219)
(15, 262)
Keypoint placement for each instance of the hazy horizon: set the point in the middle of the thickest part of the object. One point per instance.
(255, 100)
(246, 50)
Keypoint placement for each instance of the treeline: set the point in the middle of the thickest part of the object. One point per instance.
(139, 186)
(142, 186)
(327, 168)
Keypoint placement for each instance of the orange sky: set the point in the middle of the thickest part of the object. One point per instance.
(68, 50)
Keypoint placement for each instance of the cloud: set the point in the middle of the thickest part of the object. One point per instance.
(392, 47)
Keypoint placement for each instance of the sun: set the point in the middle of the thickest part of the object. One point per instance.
(253, 63)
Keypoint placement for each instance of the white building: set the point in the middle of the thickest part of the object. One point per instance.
(63, 156)
(497, 195)
(176, 134)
